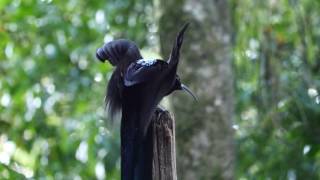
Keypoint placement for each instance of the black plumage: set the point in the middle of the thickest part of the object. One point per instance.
(136, 87)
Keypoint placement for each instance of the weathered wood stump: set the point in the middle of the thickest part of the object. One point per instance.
(163, 146)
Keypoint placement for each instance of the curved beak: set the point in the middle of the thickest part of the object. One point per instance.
(186, 89)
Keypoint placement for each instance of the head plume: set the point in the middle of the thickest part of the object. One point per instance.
(119, 51)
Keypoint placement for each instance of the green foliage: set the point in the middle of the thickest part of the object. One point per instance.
(277, 86)
(52, 87)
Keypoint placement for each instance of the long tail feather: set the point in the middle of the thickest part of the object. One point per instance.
(174, 57)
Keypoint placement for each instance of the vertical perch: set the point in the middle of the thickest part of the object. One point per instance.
(163, 141)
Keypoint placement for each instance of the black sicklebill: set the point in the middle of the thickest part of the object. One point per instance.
(136, 87)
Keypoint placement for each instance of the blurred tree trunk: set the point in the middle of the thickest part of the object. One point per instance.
(205, 146)
(269, 76)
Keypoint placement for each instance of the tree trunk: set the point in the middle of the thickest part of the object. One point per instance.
(205, 146)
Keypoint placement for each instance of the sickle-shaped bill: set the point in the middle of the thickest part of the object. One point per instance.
(185, 88)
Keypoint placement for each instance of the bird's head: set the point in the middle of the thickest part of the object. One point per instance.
(180, 86)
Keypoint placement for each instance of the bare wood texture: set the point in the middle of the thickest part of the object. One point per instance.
(163, 137)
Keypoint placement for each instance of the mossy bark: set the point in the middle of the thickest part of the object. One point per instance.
(204, 134)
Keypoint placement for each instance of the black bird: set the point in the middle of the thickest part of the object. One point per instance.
(136, 87)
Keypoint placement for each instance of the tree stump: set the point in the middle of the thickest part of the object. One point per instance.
(163, 146)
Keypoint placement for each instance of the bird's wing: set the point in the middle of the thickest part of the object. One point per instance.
(142, 71)
(119, 50)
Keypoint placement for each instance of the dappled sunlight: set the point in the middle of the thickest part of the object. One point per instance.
(7, 149)
(5, 100)
(82, 152)
(100, 171)
(32, 103)
(306, 149)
